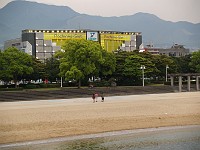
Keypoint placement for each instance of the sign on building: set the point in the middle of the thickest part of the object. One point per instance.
(93, 36)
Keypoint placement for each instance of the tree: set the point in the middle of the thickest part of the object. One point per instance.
(52, 68)
(15, 64)
(38, 70)
(161, 61)
(108, 65)
(132, 67)
(128, 64)
(182, 64)
(80, 59)
(119, 69)
(195, 62)
(151, 64)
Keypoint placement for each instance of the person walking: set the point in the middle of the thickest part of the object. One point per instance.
(93, 97)
(96, 96)
(102, 97)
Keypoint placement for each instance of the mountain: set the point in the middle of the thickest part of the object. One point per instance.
(19, 15)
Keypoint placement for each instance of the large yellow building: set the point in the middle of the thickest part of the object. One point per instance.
(44, 43)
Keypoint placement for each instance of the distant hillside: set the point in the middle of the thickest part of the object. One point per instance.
(19, 15)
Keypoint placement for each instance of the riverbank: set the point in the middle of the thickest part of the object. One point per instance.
(35, 120)
(176, 137)
(69, 92)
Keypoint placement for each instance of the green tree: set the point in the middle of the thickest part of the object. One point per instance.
(150, 63)
(183, 64)
(119, 69)
(128, 63)
(15, 64)
(195, 62)
(80, 59)
(132, 67)
(108, 64)
(52, 69)
(161, 61)
(38, 70)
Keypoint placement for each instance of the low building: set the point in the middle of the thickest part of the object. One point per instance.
(13, 43)
(17, 43)
(176, 50)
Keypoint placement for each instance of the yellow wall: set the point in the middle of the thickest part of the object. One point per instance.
(60, 38)
(112, 42)
(118, 37)
(110, 45)
(108, 41)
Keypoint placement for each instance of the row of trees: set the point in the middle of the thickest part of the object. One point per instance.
(80, 60)
(17, 66)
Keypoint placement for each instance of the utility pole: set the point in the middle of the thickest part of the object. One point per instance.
(142, 68)
(166, 72)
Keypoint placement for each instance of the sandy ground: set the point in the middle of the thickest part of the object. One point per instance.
(34, 120)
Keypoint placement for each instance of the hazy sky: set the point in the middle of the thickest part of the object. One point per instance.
(171, 10)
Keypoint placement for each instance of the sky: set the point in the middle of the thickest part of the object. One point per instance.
(170, 10)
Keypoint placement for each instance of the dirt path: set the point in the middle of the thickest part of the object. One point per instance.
(23, 121)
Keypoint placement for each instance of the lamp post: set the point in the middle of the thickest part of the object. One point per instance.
(142, 68)
(166, 72)
(61, 82)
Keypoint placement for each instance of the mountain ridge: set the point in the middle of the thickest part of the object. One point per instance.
(20, 15)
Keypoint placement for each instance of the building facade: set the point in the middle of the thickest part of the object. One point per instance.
(13, 43)
(176, 50)
(45, 43)
(17, 43)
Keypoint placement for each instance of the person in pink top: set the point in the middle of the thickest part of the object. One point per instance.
(96, 96)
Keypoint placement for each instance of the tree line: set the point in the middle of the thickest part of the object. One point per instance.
(81, 60)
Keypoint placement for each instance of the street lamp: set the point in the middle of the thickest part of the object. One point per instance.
(166, 72)
(142, 68)
(61, 82)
